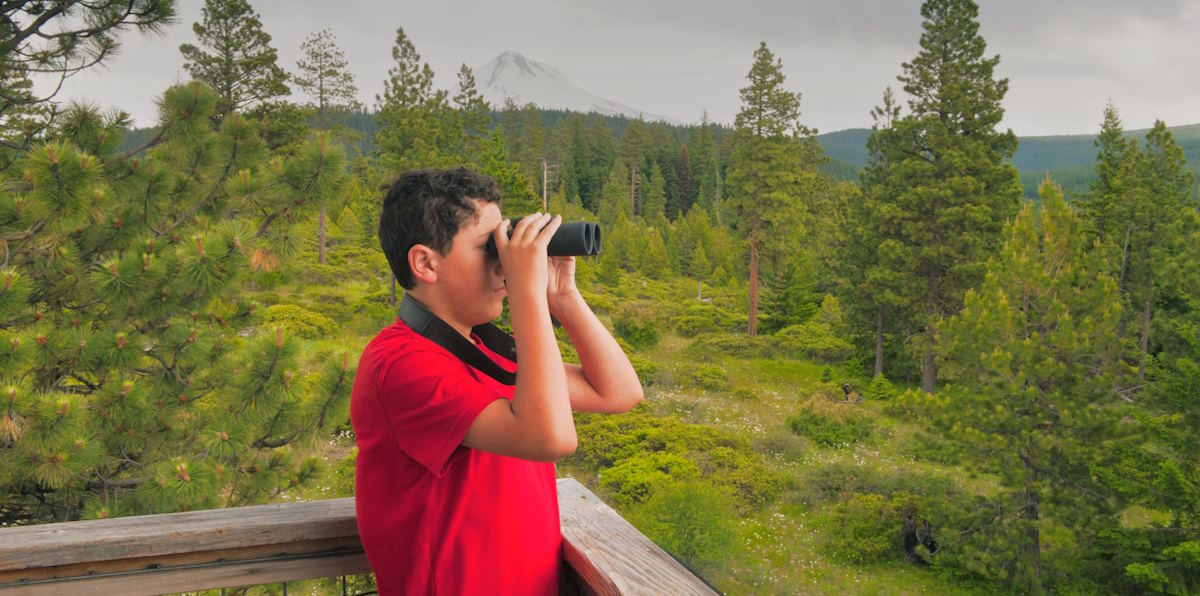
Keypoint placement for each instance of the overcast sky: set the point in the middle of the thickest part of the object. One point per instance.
(1064, 59)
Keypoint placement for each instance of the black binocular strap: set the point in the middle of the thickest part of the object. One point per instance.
(419, 319)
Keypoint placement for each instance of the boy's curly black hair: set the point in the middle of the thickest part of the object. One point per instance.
(428, 207)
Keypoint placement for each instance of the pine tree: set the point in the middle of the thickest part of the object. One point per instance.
(768, 173)
(137, 377)
(475, 115)
(702, 151)
(324, 76)
(415, 129)
(654, 209)
(949, 185)
(881, 298)
(1030, 349)
(58, 39)
(234, 57)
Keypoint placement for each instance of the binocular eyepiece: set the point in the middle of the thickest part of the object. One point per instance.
(573, 239)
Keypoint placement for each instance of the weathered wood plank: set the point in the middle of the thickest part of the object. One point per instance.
(611, 556)
(58, 544)
(290, 541)
(218, 574)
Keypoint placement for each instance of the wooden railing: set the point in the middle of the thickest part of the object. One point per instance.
(175, 552)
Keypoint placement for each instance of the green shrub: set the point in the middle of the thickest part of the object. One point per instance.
(632, 480)
(710, 377)
(708, 346)
(914, 404)
(830, 423)
(690, 520)
(880, 389)
(827, 374)
(635, 323)
(300, 321)
(703, 317)
(865, 528)
(740, 471)
(813, 339)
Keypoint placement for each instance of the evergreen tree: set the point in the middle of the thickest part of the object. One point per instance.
(415, 129)
(949, 185)
(654, 209)
(614, 197)
(685, 192)
(234, 57)
(324, 76)
(702, 150)
(137, 377)
(475, 114)
(1031, 349)
(768, 173)
(1155, 252)
(881, 297)
(58, 39)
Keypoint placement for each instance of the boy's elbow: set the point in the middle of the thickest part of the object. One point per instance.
(633, 398)
(559, 447)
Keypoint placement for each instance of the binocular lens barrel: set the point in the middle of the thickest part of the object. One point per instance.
(573, 239)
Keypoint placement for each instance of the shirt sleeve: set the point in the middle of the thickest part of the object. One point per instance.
(430, 401)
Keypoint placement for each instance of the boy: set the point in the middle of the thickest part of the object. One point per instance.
(454, 485)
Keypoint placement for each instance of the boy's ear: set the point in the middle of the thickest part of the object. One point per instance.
(422, 261)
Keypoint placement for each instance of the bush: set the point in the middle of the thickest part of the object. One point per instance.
(880, 389)
(710, 377)
(300, 321)
(914, 404)
(636, 324)
(690, 520)
(704, 317)
(813, 339)
(831, 423)
(632, 480)
(866, 528)
(707, 346)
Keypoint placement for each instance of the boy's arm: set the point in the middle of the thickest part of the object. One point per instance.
(537, 423)
(604, 381)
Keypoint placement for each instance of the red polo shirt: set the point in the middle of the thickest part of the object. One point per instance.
(436, 517)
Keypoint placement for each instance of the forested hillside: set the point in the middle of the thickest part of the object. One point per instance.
(873, 362)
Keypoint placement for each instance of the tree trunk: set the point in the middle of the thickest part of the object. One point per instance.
(879, 341)
(321, 237)
(753, 326)
(1144, 341)
(1033, 537)
(929, 358)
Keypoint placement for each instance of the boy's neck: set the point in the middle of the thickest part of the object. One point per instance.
(436, 306)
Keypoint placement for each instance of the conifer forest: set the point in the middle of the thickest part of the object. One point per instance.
(927, 372)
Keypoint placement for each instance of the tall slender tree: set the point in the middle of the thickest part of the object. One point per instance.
(323, 75)
(234, 57)
(950, 185)
(768, 171)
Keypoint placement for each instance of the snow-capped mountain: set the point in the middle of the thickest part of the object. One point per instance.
(511, 75)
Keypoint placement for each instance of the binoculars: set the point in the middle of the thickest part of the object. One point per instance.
(573, 239)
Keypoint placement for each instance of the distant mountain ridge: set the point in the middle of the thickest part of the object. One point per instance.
(513, 76)
(1069, 159)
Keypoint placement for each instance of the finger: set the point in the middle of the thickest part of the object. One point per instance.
(500, 234)
(551, 227)
(529, 233)
(522, 226)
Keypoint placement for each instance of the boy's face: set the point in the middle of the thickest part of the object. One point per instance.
(473, 280)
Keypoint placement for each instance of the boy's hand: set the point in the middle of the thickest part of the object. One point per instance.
(560, 286)
(523, 256)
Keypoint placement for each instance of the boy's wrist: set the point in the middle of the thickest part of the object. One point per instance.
(561, 305)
